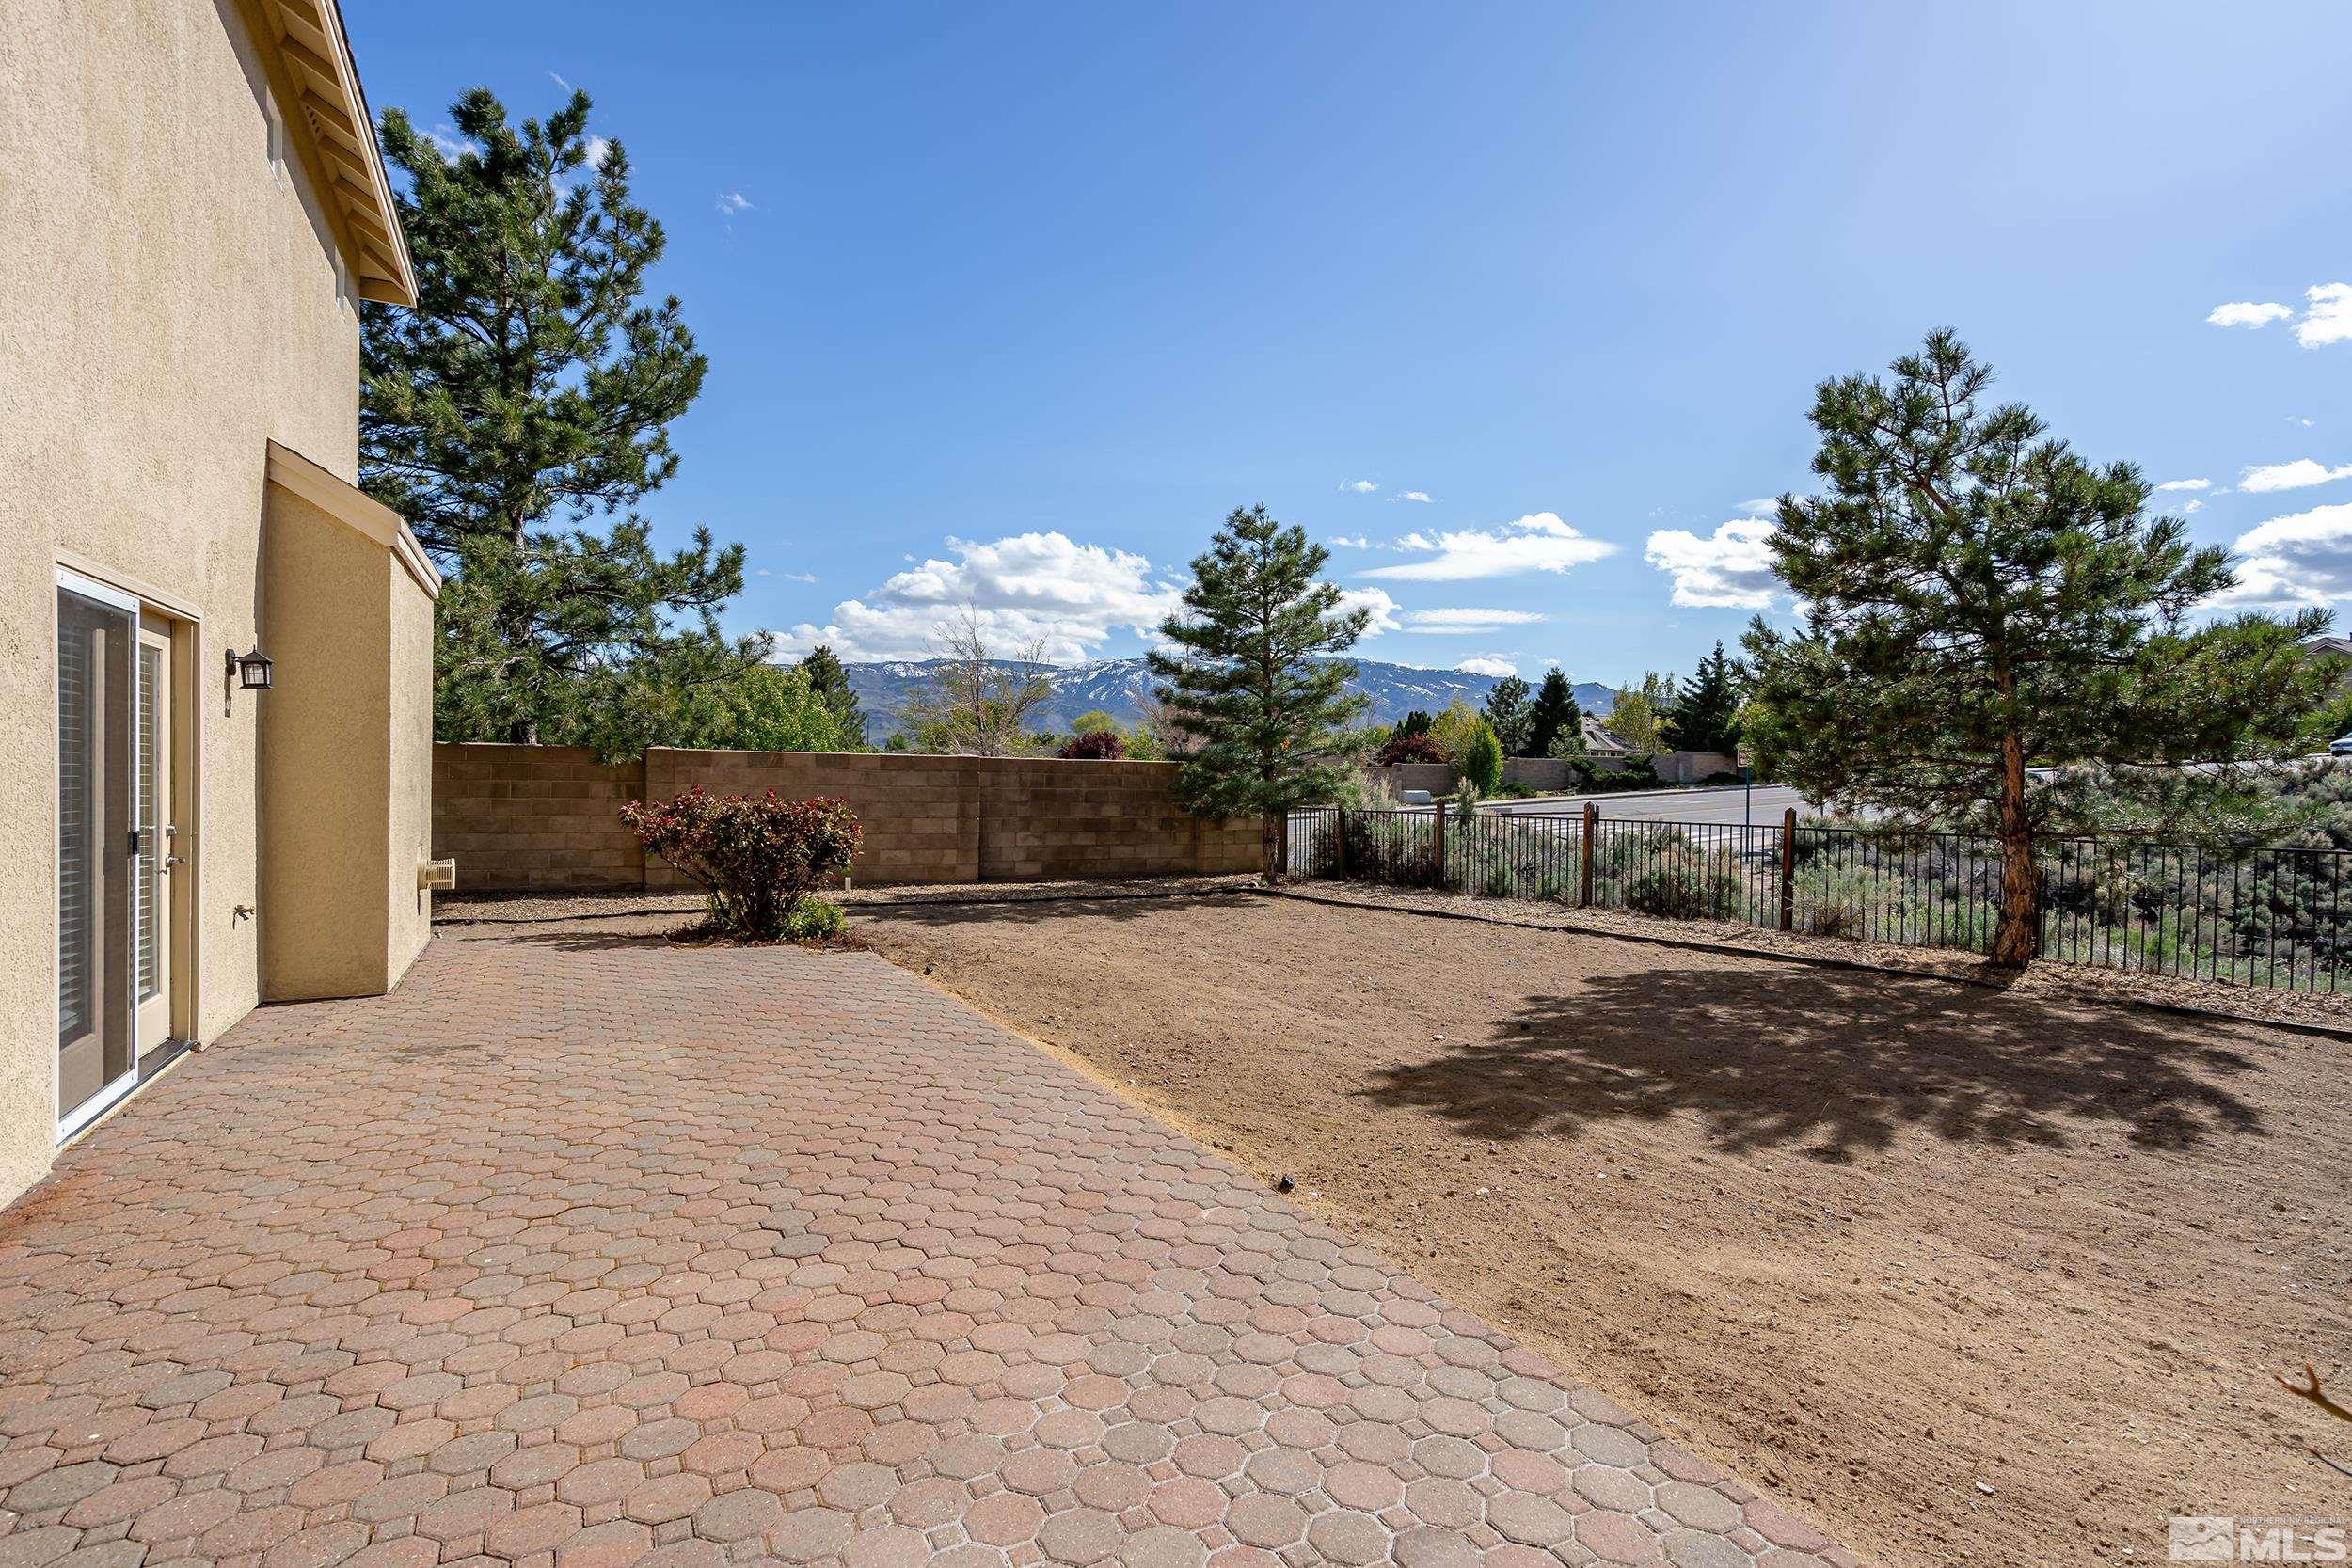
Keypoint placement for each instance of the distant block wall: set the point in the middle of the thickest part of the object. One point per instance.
(548, 818)
(534, 817)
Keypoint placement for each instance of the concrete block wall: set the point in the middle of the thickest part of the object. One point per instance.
(547, 817)
(534, 818)
(922, 822)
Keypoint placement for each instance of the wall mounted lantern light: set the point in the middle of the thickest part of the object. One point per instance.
(250, 669)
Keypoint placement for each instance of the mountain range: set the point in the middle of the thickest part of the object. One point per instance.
(1119, 687)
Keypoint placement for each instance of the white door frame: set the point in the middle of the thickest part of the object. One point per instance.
(70, 1122)
(152, 1017)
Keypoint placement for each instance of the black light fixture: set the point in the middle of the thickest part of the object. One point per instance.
(250, 669)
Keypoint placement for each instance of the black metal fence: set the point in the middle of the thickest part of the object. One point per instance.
(2270, 917)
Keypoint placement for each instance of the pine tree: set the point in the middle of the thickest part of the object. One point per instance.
(528, 393)
(1706, 712)
(1555, 713)
(1980, 603)
(831, 682)
(1512, 714)
(1251, 677)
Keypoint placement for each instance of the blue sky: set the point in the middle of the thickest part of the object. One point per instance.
(1011, 303)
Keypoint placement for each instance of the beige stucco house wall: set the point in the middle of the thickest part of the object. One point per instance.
(192, 213)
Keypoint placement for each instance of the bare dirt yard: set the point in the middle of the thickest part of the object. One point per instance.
(1974, 1275)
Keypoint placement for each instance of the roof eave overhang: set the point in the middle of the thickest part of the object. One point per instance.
(330, 109)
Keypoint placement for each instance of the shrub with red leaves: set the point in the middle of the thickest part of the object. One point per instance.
(1093, 746)
(756, 857)
(1409, 748)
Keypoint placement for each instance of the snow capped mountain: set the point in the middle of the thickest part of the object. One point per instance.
(1119, 687)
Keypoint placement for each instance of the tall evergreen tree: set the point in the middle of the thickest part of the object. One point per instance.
(1555, 713)
(1252, 678)
(1706, 712)
(1511, 713)
(831, 682)
(1982, 603)
(527, 394)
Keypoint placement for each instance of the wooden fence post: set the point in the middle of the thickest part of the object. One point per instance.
(1342, 830)
(1789, 869)
(1585, 856)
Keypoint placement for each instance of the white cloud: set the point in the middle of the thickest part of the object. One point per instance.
(449, 144)
(2329, 318)
(1487, 664)
(732, 203)
(1361, 486)
(2245, 313)
(2186, 484)
(2187, 507)
(1467, 620)
(1383, 608)
(559, 81)
(2293, 561)
(2274, 583)
(1730, 568)
(597, 148)
(2301, 474)
(1353, 542)
(1422, 496)
(1763, 506)
(2321, 527)
(1539, 542)
(1042, 588)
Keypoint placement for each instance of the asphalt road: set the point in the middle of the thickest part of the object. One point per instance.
(1731, 805)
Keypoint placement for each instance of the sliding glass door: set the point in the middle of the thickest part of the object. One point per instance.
(100, 851)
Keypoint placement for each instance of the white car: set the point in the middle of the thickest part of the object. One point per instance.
(2340, 746)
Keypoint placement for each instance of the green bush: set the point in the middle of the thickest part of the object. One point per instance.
(1481, 760)
(1685, 885)
(754, 857)
(815, 920)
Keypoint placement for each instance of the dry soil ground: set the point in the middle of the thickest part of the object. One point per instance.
(1975, 1275)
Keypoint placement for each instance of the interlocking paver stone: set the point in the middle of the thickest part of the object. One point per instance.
(577, 1253)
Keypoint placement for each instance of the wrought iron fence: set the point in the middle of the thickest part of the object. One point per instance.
(2269, 917)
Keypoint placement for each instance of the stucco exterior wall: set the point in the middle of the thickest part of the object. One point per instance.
(167, 305)
(408, 768)
(539, 817)
(326, 764)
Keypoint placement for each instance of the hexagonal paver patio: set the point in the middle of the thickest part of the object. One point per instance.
(582, 1251)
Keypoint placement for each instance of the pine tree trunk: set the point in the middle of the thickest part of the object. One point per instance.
(2017, 934)
(1270, 850)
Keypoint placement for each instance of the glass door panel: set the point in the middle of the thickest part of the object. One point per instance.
(97, 858)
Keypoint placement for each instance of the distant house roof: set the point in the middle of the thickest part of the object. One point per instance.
(306, 36)
(1600, 742)
(2331, 644)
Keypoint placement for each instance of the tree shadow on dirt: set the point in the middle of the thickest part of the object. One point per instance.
(1836, 1062)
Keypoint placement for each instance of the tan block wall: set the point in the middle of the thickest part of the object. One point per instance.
(534, 817)
(528, 818)
(167, 307)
